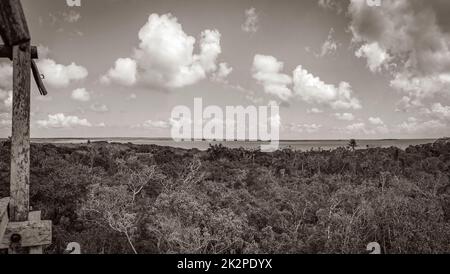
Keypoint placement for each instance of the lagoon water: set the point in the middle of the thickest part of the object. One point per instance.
(303, 145)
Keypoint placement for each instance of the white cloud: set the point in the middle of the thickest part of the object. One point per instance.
(209, 50)
(314, 110)
(251, 21)
(313, 90)
(81, 94)
(59, 76)
(358, 129)
(165, 57)
(442, 112)
(406, 103)
(5, 120)
(99, 107)
(5, 100)
(408, 36)
(62, 121)
(426, 128)
(9, 100)
(345, 116)
(376, 121)
(124, 72)
(267, 70)
(377, 58)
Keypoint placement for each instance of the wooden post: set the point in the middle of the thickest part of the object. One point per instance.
(20, 141)
(13, 26)
(20, 231)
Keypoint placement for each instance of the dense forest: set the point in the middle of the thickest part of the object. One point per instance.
(168, 200)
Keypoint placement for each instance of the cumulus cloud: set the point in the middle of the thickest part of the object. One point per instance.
(313, 90)
(60, 76)
(345, 116)
(99, 107)
(357, 128)
(426, 128)
(376, 121)
(81, 94)
(5, 120)
(377, 58)
(251, 21)
(165, 56)
(314, 111)
(376, 127)
(60, 120)
(267, 70)
(440, 111)
(8, 100)
(124, 72)
(411, 36)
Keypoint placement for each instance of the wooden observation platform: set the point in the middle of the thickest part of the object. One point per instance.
(21, 231)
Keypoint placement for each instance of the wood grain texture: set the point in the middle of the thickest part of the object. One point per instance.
(6, 52)
(20, 141)
(13, 25)
(3, 216)
(33, 233)
(35, 216)
(37, 78)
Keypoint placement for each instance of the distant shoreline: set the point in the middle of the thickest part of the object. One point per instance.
(303, 145)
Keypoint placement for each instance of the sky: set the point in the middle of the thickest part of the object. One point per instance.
(337, 69)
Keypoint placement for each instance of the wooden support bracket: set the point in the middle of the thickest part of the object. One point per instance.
(32, 233)
(4, 218)
(7, 52)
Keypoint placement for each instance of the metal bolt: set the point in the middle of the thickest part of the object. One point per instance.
(16, 238)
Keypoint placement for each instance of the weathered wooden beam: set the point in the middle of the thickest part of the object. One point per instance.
(36, 216)
(3, 216)
(38, 79)
(32, 234)
(13, 26)
(20, 140)
(6, 52)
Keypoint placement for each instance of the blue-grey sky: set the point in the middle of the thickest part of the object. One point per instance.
(338, 69)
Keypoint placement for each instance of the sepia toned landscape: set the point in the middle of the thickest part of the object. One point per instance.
(233, 128)
(160, 200)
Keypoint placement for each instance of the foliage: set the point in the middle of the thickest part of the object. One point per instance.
(224, 201)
